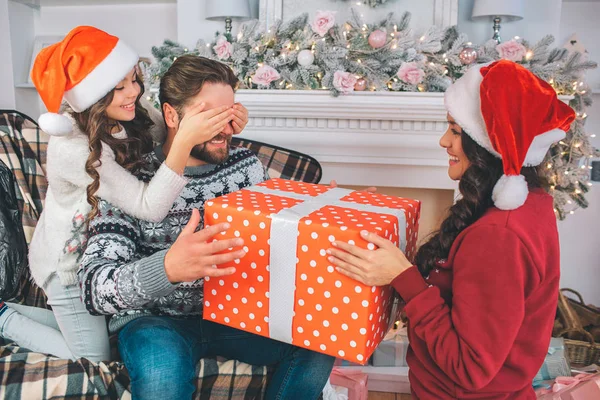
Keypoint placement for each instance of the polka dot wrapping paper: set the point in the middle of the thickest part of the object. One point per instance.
(285, 288)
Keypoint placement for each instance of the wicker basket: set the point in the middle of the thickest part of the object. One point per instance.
(572, 327)
(588, 315)
(580, 346)
(579, 352)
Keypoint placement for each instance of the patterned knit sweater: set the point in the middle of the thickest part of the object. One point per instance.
(122, 270)
(61, 232)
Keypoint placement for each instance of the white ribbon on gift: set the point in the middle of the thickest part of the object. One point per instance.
(284, 243)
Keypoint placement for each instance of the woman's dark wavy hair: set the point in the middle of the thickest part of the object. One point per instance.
(476, 187)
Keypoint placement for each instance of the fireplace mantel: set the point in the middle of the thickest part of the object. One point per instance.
(382, 139)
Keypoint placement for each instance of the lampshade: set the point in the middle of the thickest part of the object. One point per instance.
(509, 10)
(221, 9)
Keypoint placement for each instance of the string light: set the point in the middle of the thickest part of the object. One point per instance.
(529, 55)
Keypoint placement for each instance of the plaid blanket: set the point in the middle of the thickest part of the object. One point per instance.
(28, 375)
(23, 149)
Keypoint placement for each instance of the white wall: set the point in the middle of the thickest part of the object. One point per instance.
(7, 83)
(580, 233)
(583, 18)
(139, 25)
(22, 33)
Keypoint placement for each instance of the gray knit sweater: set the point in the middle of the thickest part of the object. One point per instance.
(122, 271)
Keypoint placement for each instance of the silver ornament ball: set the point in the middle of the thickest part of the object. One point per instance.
(305, 58)
(468, 55)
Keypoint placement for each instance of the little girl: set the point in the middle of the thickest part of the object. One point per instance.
(95, 148)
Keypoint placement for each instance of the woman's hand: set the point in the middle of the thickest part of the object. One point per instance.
(240, 118)
(372, 267)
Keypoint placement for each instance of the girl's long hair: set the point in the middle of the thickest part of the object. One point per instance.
(94, 123)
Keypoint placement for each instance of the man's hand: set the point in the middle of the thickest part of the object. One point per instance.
(194, 255)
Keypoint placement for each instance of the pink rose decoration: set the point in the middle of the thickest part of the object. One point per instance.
(511, 50)
(344, 81)
(410, 73)
(265, 75)
(324, 20)
(223, 48)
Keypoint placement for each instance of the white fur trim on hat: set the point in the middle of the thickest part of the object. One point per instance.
(510, 192)
(464, 105)
(103, 78)
(540, 146)
(55, 124)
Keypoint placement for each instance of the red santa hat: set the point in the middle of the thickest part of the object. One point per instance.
(514, 115)
(83, 67)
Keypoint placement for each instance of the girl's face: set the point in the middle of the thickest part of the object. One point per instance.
(452, 142)
(122, 107)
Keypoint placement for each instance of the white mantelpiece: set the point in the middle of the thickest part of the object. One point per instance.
(381, 139)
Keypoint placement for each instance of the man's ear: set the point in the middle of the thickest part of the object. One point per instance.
(171, 116)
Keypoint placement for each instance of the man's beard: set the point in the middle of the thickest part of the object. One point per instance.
(214, 156)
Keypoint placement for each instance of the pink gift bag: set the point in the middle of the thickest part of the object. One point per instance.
(354, 380)
(579, 387)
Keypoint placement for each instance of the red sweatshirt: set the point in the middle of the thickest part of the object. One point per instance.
(480, 325)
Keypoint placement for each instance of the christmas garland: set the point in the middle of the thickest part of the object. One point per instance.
(372, 3)
(386, 56)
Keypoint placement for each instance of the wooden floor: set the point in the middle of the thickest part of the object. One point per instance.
(388, 396)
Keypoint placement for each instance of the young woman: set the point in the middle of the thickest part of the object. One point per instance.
(481, 296)
(94, 149)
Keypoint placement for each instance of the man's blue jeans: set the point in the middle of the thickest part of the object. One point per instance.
(161, 354)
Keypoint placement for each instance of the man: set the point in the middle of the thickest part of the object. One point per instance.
(149, 276)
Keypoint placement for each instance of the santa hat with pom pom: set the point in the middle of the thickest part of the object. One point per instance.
(514, 115)
(83, 67)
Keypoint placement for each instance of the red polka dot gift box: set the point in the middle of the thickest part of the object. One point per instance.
(285, 288)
